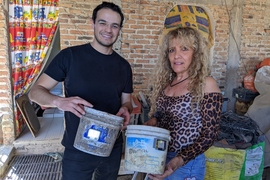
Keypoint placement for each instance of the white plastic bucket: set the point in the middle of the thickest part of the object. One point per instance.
(146, 148)
(97, 132)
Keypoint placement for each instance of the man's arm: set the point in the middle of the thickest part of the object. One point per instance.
(40, 93)
(126, 102)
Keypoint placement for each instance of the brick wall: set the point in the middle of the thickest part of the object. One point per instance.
(255, 42)
(7, 134)
(75, 24)
(220, 49)
(141, 33)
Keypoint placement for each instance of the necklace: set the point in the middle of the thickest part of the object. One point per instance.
(171, 85)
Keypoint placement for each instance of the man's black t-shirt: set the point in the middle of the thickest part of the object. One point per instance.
(99, 79)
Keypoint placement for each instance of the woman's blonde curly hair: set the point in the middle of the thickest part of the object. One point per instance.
(198, 70)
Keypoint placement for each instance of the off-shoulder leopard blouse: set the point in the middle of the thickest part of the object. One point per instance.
(193, 130)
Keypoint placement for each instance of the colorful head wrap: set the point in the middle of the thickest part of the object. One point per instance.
(189, 16)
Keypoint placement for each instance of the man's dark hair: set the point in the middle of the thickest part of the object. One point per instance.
(108, 5)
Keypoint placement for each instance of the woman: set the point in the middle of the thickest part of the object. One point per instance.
(186, 101)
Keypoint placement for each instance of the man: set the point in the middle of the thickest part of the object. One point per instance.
(94, 76)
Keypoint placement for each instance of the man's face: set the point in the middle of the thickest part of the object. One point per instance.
(107, 27)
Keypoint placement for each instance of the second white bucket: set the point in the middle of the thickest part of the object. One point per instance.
(97, 132)
(146, 148)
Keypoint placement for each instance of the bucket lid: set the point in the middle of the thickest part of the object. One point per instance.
(90, 112)
(148, 128)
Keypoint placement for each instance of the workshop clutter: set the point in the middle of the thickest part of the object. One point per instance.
(238, 153)
(246, 94)
(238, 130)
(249, 78)
(265, 62)
(244, 99)
(249, 81)
(145, 102)
(259, 111)
(223, 163)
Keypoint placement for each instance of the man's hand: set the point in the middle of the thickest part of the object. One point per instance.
(72, 104)
(123, 112)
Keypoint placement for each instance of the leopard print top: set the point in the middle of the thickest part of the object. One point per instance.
(193, 130)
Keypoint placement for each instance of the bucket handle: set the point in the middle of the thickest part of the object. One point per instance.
(146, 176)
(135, 175)
(118, 135)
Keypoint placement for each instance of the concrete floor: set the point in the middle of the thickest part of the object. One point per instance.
(49, 139)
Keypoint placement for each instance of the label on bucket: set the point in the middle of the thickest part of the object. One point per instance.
(146, 154)
(93, 134)
(96, 133)
(160, 144)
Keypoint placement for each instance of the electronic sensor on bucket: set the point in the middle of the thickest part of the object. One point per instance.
(97, 132)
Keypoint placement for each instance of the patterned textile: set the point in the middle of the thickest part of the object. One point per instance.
(189, 16)
(32, 25)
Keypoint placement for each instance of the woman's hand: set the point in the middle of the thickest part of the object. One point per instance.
(173, 164)
(151, 122)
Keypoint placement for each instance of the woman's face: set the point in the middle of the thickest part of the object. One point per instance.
(180, 56)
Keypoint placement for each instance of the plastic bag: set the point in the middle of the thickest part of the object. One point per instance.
(254, 162)
(224, 163)
(259, 111)
(265, 62)
(249, 81)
